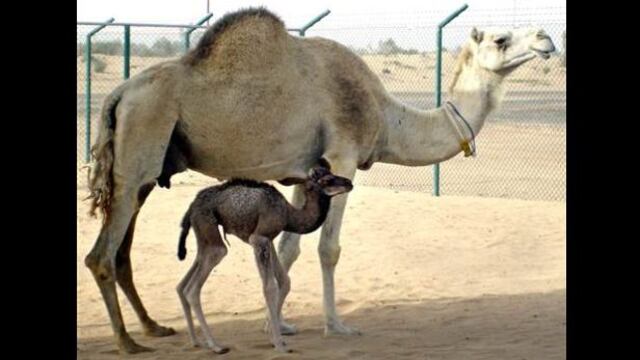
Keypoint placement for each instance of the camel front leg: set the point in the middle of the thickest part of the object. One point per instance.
(329, 251)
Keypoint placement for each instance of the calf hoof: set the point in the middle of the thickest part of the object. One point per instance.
(220, 349)
(285, 329)
(282, 347)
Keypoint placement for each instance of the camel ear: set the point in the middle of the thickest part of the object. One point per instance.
(324, 163)
(318, 172)
(476, 35)
(291, 181)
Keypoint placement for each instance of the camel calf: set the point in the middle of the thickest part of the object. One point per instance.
(256, 213)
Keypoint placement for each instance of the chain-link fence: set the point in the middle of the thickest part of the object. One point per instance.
(521, 148)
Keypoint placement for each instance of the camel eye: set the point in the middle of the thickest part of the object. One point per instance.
(501, 42)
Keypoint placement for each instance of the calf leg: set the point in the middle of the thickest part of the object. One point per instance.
(262, 251)
(211, 250)
(185, 303)
(284, 285)
(288, 252)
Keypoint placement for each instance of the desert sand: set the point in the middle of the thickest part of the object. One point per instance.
(421, 277)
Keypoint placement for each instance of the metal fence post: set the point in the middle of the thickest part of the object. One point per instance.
(302, 31)
(187, 34)
(126, 51)
(87, 88)
(441, 25)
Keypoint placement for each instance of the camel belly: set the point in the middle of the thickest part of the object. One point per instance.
(253, 153)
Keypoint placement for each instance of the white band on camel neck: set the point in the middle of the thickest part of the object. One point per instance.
(467, 145)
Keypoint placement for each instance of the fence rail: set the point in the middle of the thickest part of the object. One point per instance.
(521, 149)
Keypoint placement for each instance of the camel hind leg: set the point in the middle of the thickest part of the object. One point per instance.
(124, 277)
(140, 139)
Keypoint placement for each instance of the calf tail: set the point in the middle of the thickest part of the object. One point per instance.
(186, 225)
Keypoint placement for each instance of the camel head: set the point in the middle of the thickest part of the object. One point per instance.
(329, 184)
(502, 51)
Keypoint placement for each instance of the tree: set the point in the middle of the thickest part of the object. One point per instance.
(113, 47)
(164, 47)
(388, 47)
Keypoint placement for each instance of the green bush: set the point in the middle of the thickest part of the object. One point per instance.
(113, 47)
(98, 65)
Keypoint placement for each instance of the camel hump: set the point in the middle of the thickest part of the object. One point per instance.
(241, 37)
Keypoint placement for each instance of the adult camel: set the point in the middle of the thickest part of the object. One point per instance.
(251, 101)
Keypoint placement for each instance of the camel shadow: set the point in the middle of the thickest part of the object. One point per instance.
(523, 326)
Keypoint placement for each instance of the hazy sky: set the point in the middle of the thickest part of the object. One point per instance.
(293, 12)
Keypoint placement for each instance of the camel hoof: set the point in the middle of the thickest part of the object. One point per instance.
(131, 347)
(155, 330)
(340, 329)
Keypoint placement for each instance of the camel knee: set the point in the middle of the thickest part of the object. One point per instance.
(192, 296)
(329, 254)
(262, 249)
(102, 269)
(181, 290)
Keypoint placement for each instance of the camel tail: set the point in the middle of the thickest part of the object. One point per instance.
(186, 225)
(101, 178)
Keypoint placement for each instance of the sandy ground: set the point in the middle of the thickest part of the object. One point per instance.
(422, 277)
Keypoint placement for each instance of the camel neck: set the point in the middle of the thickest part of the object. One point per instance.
(416, 137)
(312, 214)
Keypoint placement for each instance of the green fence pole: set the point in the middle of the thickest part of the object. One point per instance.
(302, 31)
(126, 51)
(187, 34)
(441, 25)
(87, 88)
